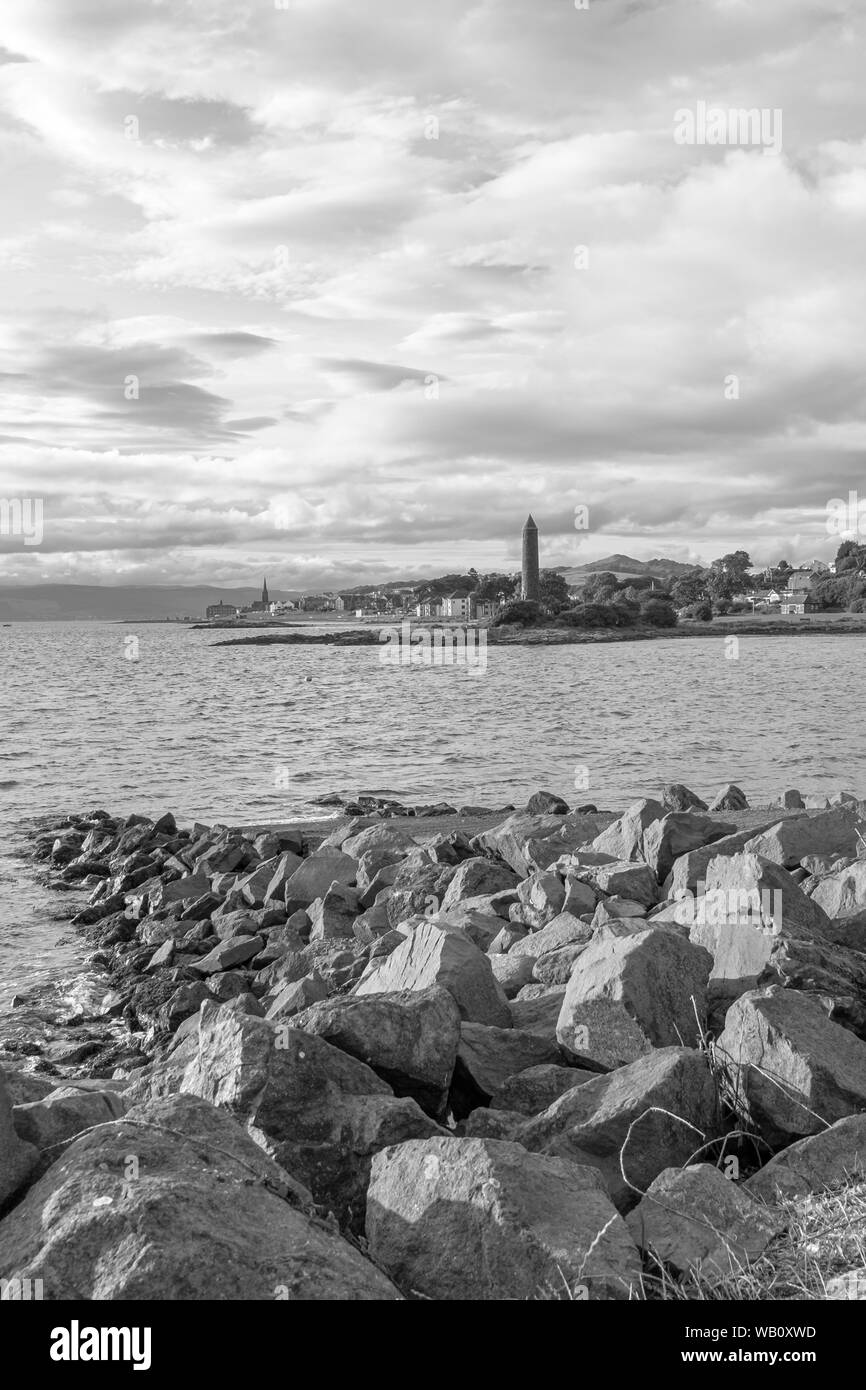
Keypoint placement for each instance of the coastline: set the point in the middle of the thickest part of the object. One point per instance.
(389, 985)
(555, 637)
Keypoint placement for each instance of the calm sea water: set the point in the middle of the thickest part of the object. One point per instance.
(253, 733)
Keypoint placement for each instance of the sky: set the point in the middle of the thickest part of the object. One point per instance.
(340, 292)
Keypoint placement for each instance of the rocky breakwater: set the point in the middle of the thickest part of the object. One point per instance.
(549, 1059)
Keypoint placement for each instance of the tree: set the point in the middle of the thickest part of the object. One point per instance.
(490, 586)
(553, 589)
(689, 588)
(520, 611)
(599, 588)
(729, 575)
(658, 613)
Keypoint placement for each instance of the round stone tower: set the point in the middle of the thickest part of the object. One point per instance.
(530, 588)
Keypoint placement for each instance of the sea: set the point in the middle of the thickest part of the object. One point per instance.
(158, 716)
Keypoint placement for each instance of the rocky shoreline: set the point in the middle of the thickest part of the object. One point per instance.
(444, 1053)
(509, 636)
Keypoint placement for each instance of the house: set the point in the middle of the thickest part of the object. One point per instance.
(795, 598)
(800, 580)
(456, 605)
(220, 610)
(798, 601)
(429, 608)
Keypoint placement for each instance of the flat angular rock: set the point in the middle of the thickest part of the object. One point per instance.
(386, 835)
(486, 1057)
(654, 1113)
(624, 838)
(562, 931)
(637, 882)
(332, 916)
(409, 1039)
(207, 1217)
(689, 870)
(314, 876)
(285, 866)
(437, 954)
(788, 841)
(481, 928)
(482, 1219)
(476, 876)
(229, 953)
(254, 886)
(557, 967)
(749, 908)
(629, 994)
(816, 1162)
(842, 894)
(512, 972)
(517, 839)
(297, 995)
(318, 1112)
(678, 833)
(793, 1071)
(697, 1221)
(536, 1010)
(541, 898)
(533, 1090)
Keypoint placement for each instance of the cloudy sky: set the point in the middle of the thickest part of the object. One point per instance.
(298, 286)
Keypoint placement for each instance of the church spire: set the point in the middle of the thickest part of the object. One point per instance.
(265, 600)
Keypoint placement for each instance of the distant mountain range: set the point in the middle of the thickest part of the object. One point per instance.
(624, 565)
(120, 603)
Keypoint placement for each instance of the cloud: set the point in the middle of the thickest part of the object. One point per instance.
(284, 223)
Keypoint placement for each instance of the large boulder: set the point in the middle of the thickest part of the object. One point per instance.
(409, 1039)
(518, 839)
(476, 876)
(314, 875)
(730, 797)
(790, 840)
(175, 1202)
(628, 994)
(541, 897)
(833, 1155)
(791, 1069)
(678, 797)
(624, 838)
(842, 894)
(436, 953)
(632, 1123)
(332, 916)
(546, 803)
(749, 907)
(18, 1159)
(482, 1219)
(319, 1112)
(385, 835)
(678, 833)
(689, 870)
(624, 879)
(695, 1220)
